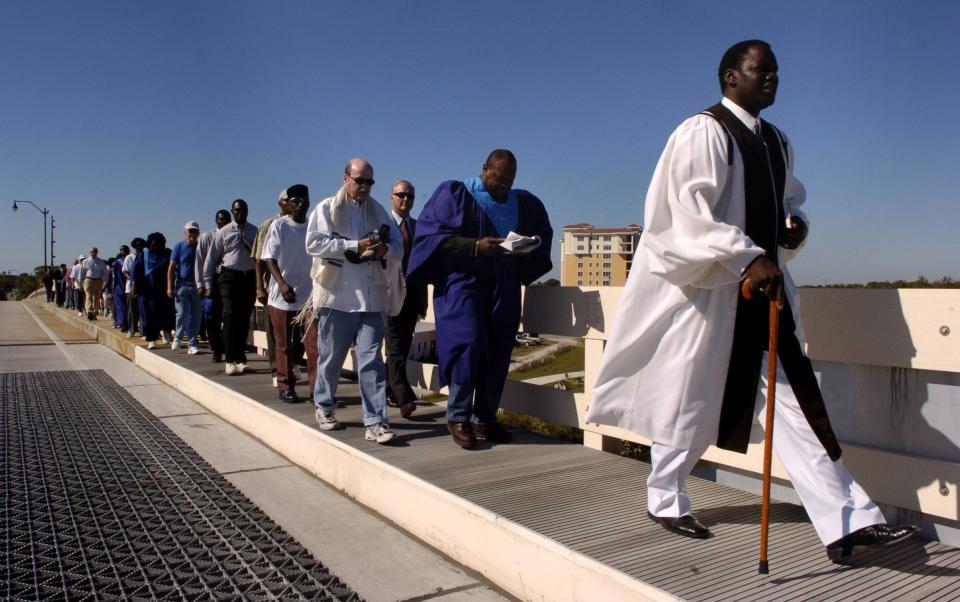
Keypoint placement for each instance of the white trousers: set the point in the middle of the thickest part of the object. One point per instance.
(836, 504)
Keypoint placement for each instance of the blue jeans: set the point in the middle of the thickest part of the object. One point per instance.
(463, 405)
(188, 313)
(336, 331)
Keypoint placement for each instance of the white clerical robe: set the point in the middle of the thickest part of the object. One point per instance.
(666, 359)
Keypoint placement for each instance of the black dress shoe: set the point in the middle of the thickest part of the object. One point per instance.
(867, 538)
(683, 525)
(492, 432)
(407, 408)
(289, 397)
(462, 434)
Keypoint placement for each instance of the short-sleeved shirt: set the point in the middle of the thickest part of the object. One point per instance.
(128, 271)
(184, 257)
(286, 244)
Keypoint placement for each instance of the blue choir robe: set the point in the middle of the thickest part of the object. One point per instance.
(476, 300)
(156, 308)
(119, 295)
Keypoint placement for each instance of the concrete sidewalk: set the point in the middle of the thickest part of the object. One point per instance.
(377, 560)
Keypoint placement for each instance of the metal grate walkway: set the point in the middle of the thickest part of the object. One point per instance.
(102, 501)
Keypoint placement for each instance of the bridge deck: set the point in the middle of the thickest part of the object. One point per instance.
(594, 503)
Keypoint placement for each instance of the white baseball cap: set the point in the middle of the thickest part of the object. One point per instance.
(191, 226)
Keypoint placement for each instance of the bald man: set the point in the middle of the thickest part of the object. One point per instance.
(355, 245)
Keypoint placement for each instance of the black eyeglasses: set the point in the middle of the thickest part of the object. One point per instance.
(362, 181)
(403, 195)
(298, 200)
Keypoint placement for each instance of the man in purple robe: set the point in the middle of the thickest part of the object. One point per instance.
(476, 295)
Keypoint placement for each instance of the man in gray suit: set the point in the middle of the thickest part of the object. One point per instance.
(399, 328)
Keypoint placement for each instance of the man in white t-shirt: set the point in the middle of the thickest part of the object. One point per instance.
(134, 322)
(284, 252)
(76, 276)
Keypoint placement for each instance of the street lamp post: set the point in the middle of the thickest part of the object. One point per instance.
(45, 212)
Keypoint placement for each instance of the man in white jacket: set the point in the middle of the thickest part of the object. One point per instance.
(684, 361)
(356, 247)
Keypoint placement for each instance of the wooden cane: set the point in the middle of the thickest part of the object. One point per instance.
(775, 304)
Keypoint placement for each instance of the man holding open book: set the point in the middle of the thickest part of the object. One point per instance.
(460, 248)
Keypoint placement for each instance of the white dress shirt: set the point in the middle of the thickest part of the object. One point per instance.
(94, 268)
(228, 250)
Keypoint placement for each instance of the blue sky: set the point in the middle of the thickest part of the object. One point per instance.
(127, 117)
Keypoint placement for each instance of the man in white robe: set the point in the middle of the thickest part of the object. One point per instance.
(683, 363)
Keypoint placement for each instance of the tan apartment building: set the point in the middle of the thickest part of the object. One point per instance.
(597, 256)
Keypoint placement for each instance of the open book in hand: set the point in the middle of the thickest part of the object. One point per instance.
(519, 244)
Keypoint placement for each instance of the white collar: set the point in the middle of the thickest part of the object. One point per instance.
(742, 114)
(396, 217)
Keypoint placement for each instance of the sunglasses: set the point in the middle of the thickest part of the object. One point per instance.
(363, 181)
(298, 200)
(403, 195)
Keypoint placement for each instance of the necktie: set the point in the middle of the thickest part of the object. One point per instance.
(406, 236)
(756, 128)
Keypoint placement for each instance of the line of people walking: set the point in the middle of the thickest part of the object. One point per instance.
(348, 273)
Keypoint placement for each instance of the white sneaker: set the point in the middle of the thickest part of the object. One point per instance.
(175, 345)
(297, 373)
(275, 382)
(230, 368)
(164, 336)
(241, 367)
(193, 350)
(152, 345)
(380, 433)
(327, 420)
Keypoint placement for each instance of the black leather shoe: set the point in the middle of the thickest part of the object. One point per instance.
(289, 397)
(492, 432)
(867, 538)
(407, 408)
(217, 358)
(392, 401)
(462, 434)
(683, 525)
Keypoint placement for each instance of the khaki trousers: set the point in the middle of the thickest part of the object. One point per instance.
(92, 289)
